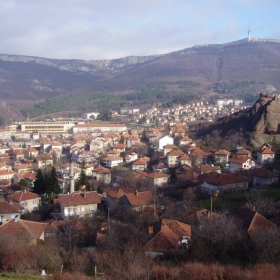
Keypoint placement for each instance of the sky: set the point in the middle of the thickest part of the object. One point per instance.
(110, 29)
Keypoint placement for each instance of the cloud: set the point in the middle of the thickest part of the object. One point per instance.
(94, 29)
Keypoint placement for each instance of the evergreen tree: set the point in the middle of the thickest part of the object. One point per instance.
(144, 135)
(82, 180)
(122, 139)
(53, 186)
(22, 184)
(39, 183)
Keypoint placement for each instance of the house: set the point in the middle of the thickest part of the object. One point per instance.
(78, 204)
(208, 168)
(23, 229)
(160, 167)
(243, 153)
(199, 156)
(43, 162)
(261, 177)
(187, 176)
(173, 158)
(185, 141)
(6, 174)
(131, 140)
(113, 195)
(158, 179)
(252, 222)
(198, 216)
(17, 154)
(185, 160)
(102, 174)
(29, 177)
(131, 157)
(112, 161)
(224, 183)
(22, 168)
(119, 147)
(140, 164)
(168, 148)
(165, 140)
(137, 201)
(28, 200)
(240, 162)
(167, 235)
(30, 153)
(222, 156)
(265, 155)
(8, 211)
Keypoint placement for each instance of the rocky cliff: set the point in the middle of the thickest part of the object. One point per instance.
(265, 114)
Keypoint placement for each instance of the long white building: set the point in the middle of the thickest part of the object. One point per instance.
(97, 127)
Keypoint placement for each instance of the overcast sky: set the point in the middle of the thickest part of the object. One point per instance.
(108, 29)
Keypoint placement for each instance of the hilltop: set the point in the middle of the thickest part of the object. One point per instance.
(237, 69)
(215, 65)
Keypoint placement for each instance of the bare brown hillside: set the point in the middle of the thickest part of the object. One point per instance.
(227, 68)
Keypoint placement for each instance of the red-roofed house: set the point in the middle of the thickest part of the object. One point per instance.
(112, 161)
(137, 201)
(140, 164)
(78, 204)
(28, 200)
(222, 156)
(158, 179)
(102, 174)
(22, 229)
(224, 183)
(240, 162)
(173, 158)
(113, 195)
(265, 155)
(8, 211)
(167, 235)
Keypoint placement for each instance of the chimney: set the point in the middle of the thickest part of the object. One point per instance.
(136, 192)
(150, 230)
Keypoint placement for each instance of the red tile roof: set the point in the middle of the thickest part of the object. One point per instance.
(23, 228)
(79, 198)
(223, 153)
(6, 208)
(267, 151)
(23, 195)
(140, 199)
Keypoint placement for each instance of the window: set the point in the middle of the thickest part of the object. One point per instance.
(92, 207)
(81, 209)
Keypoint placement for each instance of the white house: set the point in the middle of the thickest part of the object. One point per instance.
(240, 162)
(165, 140)
(112, 161)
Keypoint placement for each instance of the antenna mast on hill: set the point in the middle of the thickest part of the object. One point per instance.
(249, 34)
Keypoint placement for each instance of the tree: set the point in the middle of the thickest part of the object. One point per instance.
(122, 139)
(39, 183)
(220, 240)
(22, 184)
(144, 135)
(53, 186)
(82, 180)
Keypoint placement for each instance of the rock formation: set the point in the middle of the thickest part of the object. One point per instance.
(265, 114)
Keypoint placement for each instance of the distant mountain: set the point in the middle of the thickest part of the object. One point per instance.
(232, 68)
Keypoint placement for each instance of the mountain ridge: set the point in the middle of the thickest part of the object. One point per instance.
(219, 68)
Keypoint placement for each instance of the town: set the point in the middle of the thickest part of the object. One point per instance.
(89, 184)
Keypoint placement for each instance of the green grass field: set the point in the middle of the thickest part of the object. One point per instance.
(234, 201)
